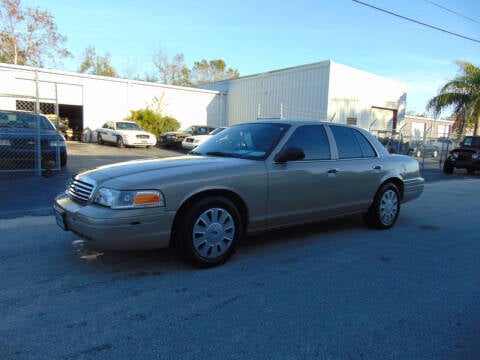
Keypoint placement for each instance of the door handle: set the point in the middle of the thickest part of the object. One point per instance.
(332, 171)
(377, 167)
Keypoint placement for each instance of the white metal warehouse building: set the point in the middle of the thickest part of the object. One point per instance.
(321, 91)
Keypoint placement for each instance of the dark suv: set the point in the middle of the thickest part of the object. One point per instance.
(175, 138)
(466, 156)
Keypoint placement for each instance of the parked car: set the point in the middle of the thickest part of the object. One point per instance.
(191, 142)
(253, 177)
(426, 149)
(125, 133)
(465, 156)
(18, 141)
(175, 138)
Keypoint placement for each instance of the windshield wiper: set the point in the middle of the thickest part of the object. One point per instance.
(219, 153)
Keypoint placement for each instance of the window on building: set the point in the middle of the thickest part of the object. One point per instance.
(352, 121)
(418, 130)
(443, 131)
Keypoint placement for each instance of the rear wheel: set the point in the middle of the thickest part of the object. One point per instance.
(384, 211)
(99, 139)
(471, 170)
(208, 233)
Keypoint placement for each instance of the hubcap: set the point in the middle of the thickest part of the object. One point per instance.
(388, 207)
(213, 233)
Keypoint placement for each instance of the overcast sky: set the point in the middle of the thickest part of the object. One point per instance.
(256, 36)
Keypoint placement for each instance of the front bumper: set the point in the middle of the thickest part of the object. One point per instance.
(132, 229)
(463, 164)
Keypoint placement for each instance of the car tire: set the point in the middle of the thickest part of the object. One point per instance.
(120, 143)
(99, 139)
(471, 171)
(209, 231)
(448, 168)
(384, 211)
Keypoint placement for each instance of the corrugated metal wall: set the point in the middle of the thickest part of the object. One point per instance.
(369, 98)
(320, 91)
(294, 93)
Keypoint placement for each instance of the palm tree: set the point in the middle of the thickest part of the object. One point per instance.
(462, 94)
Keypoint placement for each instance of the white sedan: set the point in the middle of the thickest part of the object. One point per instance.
(192, 142)
(125, 133)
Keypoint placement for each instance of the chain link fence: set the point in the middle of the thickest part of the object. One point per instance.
(30, 142)
(430, 150)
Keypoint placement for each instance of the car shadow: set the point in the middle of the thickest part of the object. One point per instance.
(132, 264)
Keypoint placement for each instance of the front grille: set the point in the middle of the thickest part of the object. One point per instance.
(465, 155)
(143, 137)
(27, 143)
(80, 190)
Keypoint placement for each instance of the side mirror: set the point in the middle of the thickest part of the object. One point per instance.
(289, 154)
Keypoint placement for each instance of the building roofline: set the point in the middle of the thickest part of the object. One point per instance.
(104, 78)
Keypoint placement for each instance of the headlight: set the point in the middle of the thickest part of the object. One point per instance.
(475, 156)
(59, 143)
(131, 199)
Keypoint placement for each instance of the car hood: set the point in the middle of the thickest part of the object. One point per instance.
(16, 132)
(200, 137)
(133, 132)
(138, 172)
(175, 133)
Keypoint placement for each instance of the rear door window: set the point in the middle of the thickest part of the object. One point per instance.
(351, 143)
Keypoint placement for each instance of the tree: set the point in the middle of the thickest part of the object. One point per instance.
(172, 72)
(152, 119)
(28, 36)
(96, 64)
(462, 94)
(214, 70)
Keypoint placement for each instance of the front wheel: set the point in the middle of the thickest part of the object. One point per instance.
(120, 143)
(208, 234)
(448, 168)
(384, 211)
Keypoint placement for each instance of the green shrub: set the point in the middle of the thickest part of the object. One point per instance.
(153, 121)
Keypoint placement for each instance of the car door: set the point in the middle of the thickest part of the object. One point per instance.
(304, 190)
(110, 132)
(359, 169)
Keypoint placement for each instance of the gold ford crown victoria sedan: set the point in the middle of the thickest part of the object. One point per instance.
(249, 178)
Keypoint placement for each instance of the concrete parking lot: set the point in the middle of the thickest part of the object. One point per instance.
(334, 290)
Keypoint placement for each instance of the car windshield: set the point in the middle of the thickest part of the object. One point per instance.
(253, 141)
(471, 141)
(24, 121)
(128, 126)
